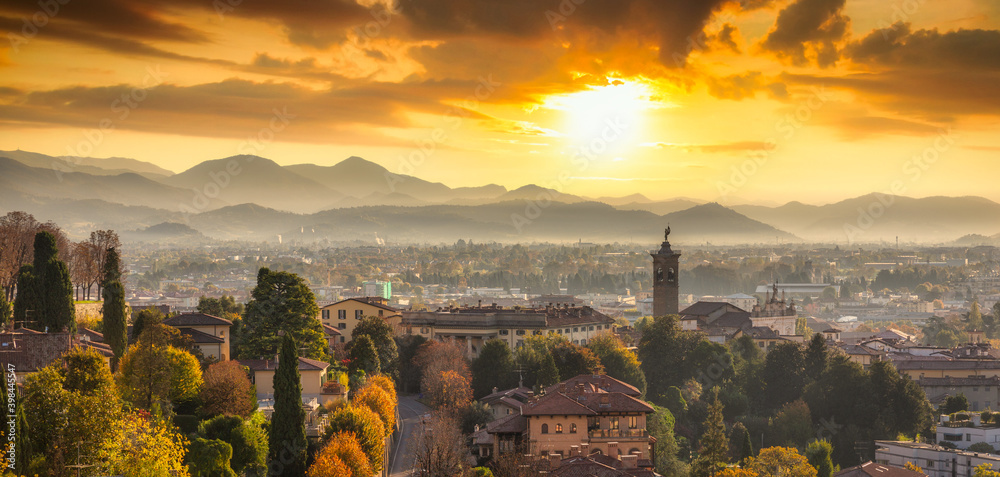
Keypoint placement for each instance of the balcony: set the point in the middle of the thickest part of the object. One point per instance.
(611, 434)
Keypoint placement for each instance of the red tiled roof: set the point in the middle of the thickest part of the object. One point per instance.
(556, 404)
(366, 302)
(201, 337)
(600, 381)
(331, 330)
(196, 319)
(510, 424)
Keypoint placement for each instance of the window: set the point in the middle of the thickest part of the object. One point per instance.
(536, 332)
(583, 342)
(930, 464)
(504, 332)
(341, 326)
(559, 332)
(975, 389)
(326, 314)
(358, 314)
(545, 428)
(380, 312)
(558, 428)
(567, 331)
(341, 339)
(607, 327)
(613, 423)
(591, 328)
(519, 332)
(572, 428)
(576, 329)
(633, 422)
(968, 437)
(342, 314)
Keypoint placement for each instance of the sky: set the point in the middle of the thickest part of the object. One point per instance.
(732, 101)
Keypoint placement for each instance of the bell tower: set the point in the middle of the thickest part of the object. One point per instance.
(666, 268)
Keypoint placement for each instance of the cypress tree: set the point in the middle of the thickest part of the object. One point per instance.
(6, 312)
(287, 439)
(113, 309)
(26, 301)
(714, 452)
(53, 287)
(364, 356)
(747, 451)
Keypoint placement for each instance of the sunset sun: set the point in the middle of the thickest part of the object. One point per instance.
(587, 113)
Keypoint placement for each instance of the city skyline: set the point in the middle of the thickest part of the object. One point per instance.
(735, 102)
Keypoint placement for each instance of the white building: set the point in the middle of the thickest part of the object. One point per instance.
(934, 460)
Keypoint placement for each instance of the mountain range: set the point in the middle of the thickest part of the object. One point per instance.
(254, 198)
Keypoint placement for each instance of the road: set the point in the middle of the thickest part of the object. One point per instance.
(409, 412)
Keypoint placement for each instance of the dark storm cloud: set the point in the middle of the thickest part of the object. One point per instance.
(809, 31)
(898, 46)
(672, 26)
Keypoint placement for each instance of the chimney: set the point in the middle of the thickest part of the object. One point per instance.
(554, 460)
(637, 454)
(613, 449)
(574, 451)
(585, 449)
(629, 462)
(494, 389)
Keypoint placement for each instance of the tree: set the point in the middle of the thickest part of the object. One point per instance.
(72, 400)
(780, 462)
(783, 374)
(409, 370)
(378, 401)
(114, 309)
(381, 335)
(145, 318)
(974, 320)
(986, 470)
(287, 440)
(364, 357)
(713, 455)
(493, 368)
(225, 307)
(281, 301)
(27, 302)
(746, 448)
(209, 458)
(247, 438)
(536, 359)
(439, 448)
(6, 312)
(982, 447)
(818, 454)
(341, 451)
(227, 390)
(816, 357)
(619, 362)
(445, 377)
(669, 358)
(53, 287)
(792, 425)
(953, 404)
(145, 446)
(660, 425)
(573, 360)
(367, 428)
(911, 466)
(151, 373)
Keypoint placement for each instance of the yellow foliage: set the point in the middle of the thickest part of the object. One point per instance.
(343, 447)
(783, 461)
(146, 448)
(379, 401)
(735, 472)
(385, 383)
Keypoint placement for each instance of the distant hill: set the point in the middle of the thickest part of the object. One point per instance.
(169, 232)
(253, 179)
(661, 207)
(876, 217)
(361, 178)
(93, 166)
(129, 188)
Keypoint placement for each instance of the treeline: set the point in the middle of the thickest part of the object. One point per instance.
(910, 278)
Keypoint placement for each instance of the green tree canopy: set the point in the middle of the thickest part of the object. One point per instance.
(209, 458)
(784, 374)
(114, 308)
(493, 368)
(281, 301)
(619, 362)
(364, 357)
(713, 455)
(248, 439)
(381, 335)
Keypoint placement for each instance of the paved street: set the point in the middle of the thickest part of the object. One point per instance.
(409, 412)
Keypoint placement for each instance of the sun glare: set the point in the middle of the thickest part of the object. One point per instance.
(589, 113)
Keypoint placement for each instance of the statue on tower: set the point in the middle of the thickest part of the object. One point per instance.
(666, 233)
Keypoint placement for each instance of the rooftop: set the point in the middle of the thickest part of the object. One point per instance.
(196, 319)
